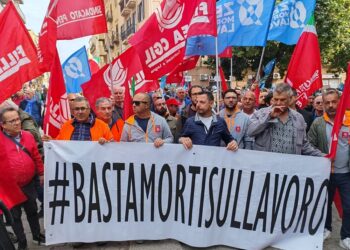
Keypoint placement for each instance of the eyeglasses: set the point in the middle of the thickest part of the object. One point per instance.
(14, 121)
(137, 103)
(80, 109)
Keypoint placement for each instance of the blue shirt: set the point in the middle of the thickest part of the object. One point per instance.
(195, 129)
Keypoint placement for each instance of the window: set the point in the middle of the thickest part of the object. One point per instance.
(140, 11)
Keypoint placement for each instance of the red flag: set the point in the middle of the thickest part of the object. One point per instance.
(10, 193)
(224, 86)
(120, 73)
(57, 106)
(304, 70)
(227, 53)
(94, 67)
(176, 75)
(18, 55)
(342, 110)
(80, 18)
(48, 38)
(172, 21)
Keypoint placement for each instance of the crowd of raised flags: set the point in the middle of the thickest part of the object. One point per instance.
(181, 31)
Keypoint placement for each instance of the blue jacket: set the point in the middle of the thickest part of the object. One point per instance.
(195, 129)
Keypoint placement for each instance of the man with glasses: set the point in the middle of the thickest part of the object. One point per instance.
(25, 162)
(144, 125)
(318, 107)
(320, 137)
(190, 110)
(236, 120)
(84, 127)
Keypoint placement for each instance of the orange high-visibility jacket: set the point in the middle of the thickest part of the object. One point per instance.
(117, 129)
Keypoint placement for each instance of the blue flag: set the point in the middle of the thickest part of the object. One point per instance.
(76, 71)
(289, 19)
(240, 23)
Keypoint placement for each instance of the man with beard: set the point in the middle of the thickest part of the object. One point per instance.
(280, 129)
(190, 110)
(320, 137)
(145, 126)
(161, 109)
(205, 128)
(236, 120)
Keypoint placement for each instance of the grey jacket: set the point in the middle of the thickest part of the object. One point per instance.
(239, 129)
(260, 127)
(157, 127)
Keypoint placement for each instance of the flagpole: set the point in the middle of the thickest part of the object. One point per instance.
(110, 59)
(217, 76)
(231, 75)
(260, 65)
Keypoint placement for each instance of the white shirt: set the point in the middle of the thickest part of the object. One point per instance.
(206, 121)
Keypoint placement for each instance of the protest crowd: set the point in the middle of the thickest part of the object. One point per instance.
(281, 119)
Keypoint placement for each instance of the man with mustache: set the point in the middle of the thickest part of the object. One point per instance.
(320, 137)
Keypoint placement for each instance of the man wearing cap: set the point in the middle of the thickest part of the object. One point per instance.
(161, 109)
(173, 106)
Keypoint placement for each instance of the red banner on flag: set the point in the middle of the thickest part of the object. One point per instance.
(176, 75)
(170, 25)
(57, 106)
(80, 18)
(304, 69)
(48, 38)
(224, 86)
(18, 55)
(119, 73)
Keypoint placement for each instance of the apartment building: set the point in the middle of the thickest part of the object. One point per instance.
(124, 18)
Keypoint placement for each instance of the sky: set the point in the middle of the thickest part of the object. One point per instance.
(34, 11)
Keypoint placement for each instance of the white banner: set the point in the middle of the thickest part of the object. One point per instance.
(203, 197)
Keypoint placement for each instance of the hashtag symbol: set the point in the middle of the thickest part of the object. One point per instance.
(56, 183)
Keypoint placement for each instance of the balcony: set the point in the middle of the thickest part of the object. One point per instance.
(125, 34)
(115, 38)
(130, 4)
(109, 16)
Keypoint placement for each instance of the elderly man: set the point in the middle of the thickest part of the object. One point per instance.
(32, 105)
(320, 137)
(248, 103)
(236, 120)
(205, 128)
(146, 126)
(104, 111)
(84, 127)
(318, 107)
(25, 162)
(280, 129)
(118, 102)
(161, 109)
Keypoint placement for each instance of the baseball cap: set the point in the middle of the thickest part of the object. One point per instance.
(172, 101)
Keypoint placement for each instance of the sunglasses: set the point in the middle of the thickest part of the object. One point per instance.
(137, 103)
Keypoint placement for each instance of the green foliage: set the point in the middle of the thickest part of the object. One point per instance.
(333, 28)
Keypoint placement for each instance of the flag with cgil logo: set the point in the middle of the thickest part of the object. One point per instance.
(57, 106)
(304, 69)
(289, 18)
(76, 70)
(119, 73)
(18, 55)
(170, 25)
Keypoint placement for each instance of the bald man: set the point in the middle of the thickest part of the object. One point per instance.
(146, 126)
(248, 103)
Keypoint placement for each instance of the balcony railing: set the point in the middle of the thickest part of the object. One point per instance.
(126, 33)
